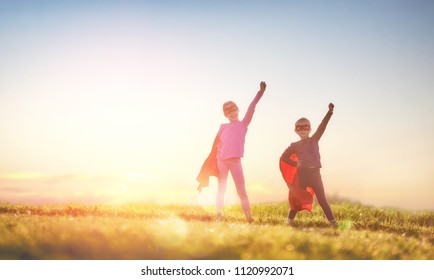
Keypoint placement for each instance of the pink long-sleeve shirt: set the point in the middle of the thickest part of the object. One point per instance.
(233, 135)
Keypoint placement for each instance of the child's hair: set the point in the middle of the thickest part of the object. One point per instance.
(228, 107)
(302, 120)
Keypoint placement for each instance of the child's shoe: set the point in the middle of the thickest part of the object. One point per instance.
(333, 223)
(219, 217)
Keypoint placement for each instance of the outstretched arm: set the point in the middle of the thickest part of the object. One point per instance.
(321, 128)
(249, 114)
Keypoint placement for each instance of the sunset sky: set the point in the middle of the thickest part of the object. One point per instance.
(119, 101)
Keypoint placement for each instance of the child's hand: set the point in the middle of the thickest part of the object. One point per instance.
(298, 163)
(331, 107)
(262, 87)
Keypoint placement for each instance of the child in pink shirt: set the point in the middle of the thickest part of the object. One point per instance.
(230, 150)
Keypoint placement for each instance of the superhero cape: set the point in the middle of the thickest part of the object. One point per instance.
(299, 199)
(209, 167)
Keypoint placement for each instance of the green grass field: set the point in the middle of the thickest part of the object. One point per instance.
(129, 232)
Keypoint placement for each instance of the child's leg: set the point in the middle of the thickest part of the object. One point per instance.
(222, 184)
(303, 177)
(291, 214)
(237, 174)
(318, 187)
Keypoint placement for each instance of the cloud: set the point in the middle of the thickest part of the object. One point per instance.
(21, 176)
(38, 188)
(62, 178)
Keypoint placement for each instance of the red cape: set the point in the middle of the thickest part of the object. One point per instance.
(299, 199)
(209, 167)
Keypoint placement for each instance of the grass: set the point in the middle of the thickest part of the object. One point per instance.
(129, 232)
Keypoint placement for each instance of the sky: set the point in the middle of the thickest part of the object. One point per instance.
(117, 102)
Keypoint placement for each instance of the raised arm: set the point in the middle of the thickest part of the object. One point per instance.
(321, 128)
(251, 109)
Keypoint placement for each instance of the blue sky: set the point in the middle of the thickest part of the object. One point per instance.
(114, 102)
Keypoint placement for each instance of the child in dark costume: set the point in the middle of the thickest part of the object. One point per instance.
(304, 162)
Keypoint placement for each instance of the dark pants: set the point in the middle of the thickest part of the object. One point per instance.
(312, 177)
